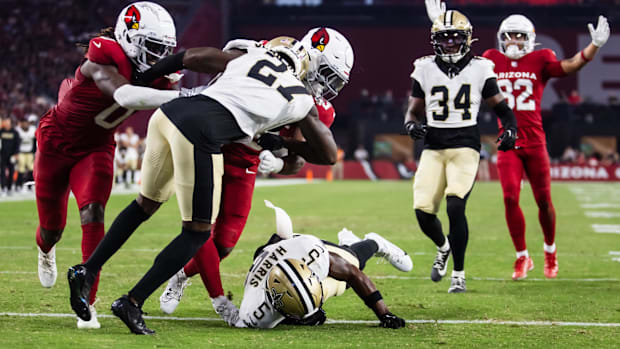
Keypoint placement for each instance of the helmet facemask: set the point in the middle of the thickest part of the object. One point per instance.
(451, 45)
(323, 81)
(515, 44)
(150, 50)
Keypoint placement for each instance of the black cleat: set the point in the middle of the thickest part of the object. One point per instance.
(80, 282)
(440, 265)
(131, 315)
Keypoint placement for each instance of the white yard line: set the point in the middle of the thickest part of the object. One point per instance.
(602, 214)
(606, 228)
(600, 205)
(329, 321)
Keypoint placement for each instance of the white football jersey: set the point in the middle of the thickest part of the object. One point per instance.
(255, 310)
(261, 92)
(452, 102)
(26, 144)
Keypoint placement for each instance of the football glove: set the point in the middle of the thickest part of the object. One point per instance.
(270, 141)
(269, 163)
(507, 139)
(389, 320)
(434, 9)
(415, 130)
(601, 33)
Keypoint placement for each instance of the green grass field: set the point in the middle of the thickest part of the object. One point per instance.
(587, 289)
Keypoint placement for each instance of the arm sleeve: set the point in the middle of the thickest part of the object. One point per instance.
(553, 67)
(505, 115)
(416, 90)
(490, 88)
(141, 98)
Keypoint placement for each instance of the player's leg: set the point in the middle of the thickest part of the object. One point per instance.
(461, 170)
(510, 169)
(51, 172)
(428, 190)
(537, 167)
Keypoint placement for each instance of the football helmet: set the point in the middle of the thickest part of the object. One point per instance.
(293, 289)
(516, 36)
(451, 36)
(293, 52)
(146, 32)
(331, 61)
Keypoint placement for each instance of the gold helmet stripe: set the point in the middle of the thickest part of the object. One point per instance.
(295, 280)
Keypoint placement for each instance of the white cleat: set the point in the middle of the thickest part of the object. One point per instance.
(347, 238)
(92, 324)
(170, 299)
(47, 267)
(226, 309)
(392, 253)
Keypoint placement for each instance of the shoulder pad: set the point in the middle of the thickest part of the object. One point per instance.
(424, 59)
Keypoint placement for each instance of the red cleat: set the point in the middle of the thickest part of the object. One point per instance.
(551, 265)
(523, 264)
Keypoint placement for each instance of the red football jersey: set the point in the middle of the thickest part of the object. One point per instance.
(243, 156)
(523, 81)
(84, 119)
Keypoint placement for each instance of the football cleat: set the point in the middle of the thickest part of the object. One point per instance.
(457, 285)
(47, 267)
(523, 264)
(170, 299)
(551, 265)
(131, 315)
(80, 282)
(440, 265)
(93, 324)
(347, 238)
(392, 253)
(226, 309)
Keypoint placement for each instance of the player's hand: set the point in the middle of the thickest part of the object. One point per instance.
(269, 163)
(415, 130)
(434, 9)
(188, 92)
(270, 141)
(601, 33)
(389, 320)
(507, 139)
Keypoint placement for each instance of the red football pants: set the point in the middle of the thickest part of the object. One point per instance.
(237, 189)
(534, 162)
(88, 177)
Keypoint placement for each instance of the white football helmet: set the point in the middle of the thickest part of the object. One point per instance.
(516, 36)
(293, 52)
(331, 61)
(293, 289)
(146, 32)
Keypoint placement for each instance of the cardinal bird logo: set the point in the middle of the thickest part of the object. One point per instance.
(320, 38)
(132, 18)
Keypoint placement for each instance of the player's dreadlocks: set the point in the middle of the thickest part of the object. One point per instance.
(105, 32)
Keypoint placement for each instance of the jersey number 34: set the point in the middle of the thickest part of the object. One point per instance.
(462, 101)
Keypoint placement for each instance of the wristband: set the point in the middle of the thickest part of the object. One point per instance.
(372, 298)
(584, 57)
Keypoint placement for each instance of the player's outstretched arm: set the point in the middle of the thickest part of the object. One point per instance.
(599, 35)
(319, 146)
(342, 270)
(113, 84)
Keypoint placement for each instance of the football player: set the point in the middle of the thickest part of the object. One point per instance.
(259, 90)
(332, 58)
(75, 138)
(522, 76)
(447, 91)
(293, 275)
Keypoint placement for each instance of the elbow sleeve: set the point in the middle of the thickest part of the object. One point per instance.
(142, 98)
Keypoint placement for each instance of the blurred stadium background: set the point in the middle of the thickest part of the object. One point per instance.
(581, 112)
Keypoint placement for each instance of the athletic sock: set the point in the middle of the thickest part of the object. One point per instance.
(41, 243)
(445, 246)
(92, 233)
(121, 229)
(460, 274)
(208, 261)
(172, 258)
(431, 227)
(522, 254)
(549, 248)
(459, 233)
(364, 250)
